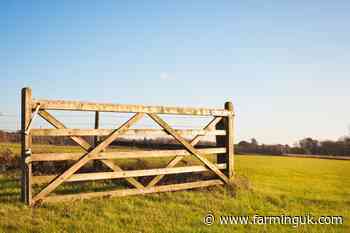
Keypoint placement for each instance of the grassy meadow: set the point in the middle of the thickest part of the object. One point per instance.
(267, 185)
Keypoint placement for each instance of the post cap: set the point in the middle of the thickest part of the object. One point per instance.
(229, 106)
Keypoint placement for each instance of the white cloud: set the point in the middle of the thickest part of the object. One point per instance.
(166, 76)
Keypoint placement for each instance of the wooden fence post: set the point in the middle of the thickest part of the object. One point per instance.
(227, 141)
(97, 125)
(96, 164)
(230, 141)
(26, 141)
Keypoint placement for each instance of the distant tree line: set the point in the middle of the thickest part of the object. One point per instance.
(309, 146)
(340, 147)
(15, 137)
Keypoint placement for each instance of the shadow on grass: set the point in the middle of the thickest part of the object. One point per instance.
(9, 187)
(9, 183)
(6, 197)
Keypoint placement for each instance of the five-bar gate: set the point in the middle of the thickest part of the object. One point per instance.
(221, 125)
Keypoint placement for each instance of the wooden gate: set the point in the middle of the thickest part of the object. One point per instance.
(221, 125)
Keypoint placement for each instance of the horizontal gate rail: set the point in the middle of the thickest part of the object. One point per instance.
(125, 174)
(101, 151)
(129, 192)
(102, 107)
(130, 132)
(122, 154)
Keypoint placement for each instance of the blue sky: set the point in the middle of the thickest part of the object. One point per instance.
(284, 64)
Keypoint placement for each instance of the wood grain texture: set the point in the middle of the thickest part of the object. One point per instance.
(128, 192)
(230, 141)
(26, 143)
(103, 107)
(130, 132)
(122, 154)
(126, 174)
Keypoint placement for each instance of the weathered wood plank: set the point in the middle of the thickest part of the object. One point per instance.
(126, 174)
(230, 141)
(103, 107)
(121, 154)
(188, 146)
(177, 159)
(85, 158)
(128, 192)
(130, 132)
(26, 142)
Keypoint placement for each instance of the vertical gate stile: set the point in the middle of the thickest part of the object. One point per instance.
(26, 143)
(229, 125)
(227, 141)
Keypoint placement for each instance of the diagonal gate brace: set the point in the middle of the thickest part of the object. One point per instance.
(178, 159)
(86, 146)
(188, 146)
(86, 157)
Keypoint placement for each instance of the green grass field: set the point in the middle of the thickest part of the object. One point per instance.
(277, 186)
